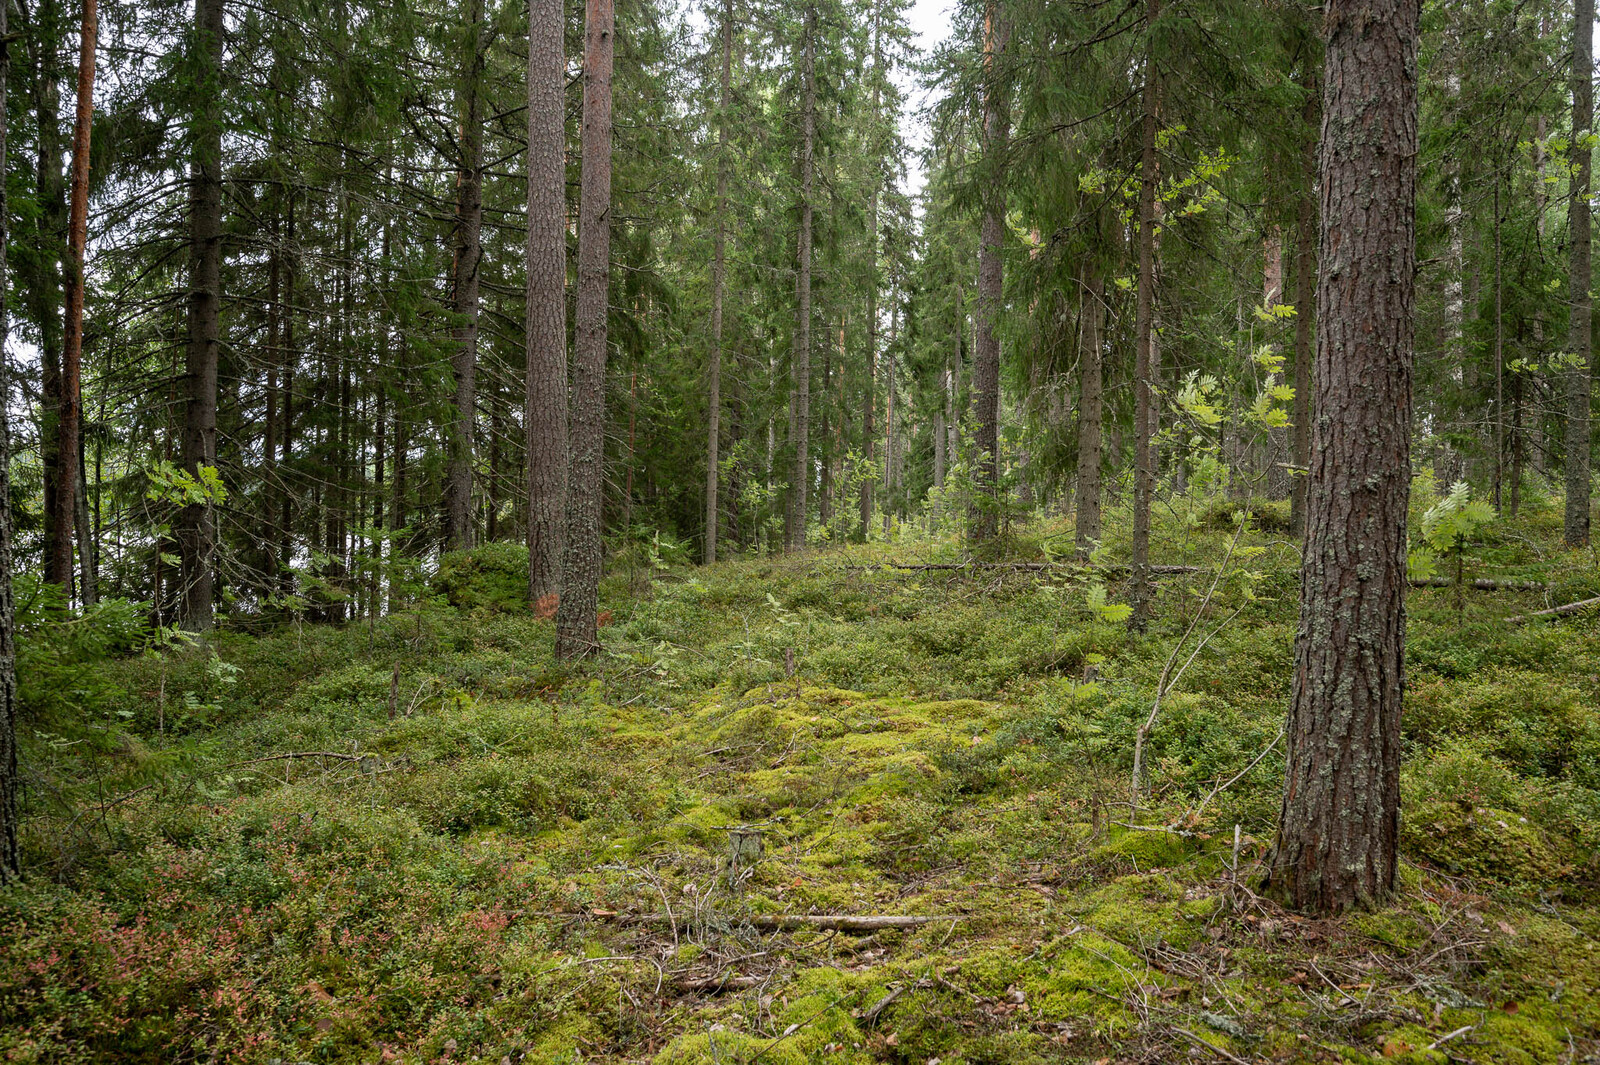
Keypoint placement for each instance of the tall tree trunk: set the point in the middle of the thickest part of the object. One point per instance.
(1091, 403)
(1579, 334)
(468, 256)
(869, 400)
(10, 863)
(1339, 827)
(291, 360)
(718, 284)
(986, 363)
(577, 626)
(1144, 337)
(195, 525)
(1305, 236)
(70, 421)
(545, 415)
(1499, 357)
(800, 362)
(45, 281)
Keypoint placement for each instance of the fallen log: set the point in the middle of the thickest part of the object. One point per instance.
(1557, 611)
(1482, 584)
(1025, 567)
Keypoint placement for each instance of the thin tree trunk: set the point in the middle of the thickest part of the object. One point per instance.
(468, 256)
(10, 782)
(45, 282)
(1304, 293)
(69, 424)
(1576, 526)
(1499, 358)
(196, 522)
(1337, 839)
(986, 364)
(869, 403)
(1144, 358)
(577, 625)
(800, 363)
(545, 414)
(1091, 401)
(718, 285)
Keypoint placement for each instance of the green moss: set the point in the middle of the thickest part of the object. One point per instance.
(1478, 841)
(1146, 850)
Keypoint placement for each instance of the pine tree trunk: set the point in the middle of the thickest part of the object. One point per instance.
(195, 525)
(1338, 831)
(577, 626)
(70, 419)
(869, 399)
(464, 288)
(1144, 340)
(10, 782)
(1304, 294)
(44, 282)
(718, 284)
(1091, 403)
(986, 363)
(545, 413)
(1579, 334)
(800, 363)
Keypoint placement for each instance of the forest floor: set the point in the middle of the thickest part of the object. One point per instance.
(254, 855)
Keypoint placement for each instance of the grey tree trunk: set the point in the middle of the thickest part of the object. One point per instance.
(70, 420)
(464, 288)
(1336, 846)
(1144, 331)
(986, 359)
(869, 441)
(545, 411)
(1579, 332)
(577, 623)
(718, 283)
(1091, 403)
(195, 527)
(800, 362)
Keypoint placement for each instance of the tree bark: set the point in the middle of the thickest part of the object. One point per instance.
(986, 362)
(718, 284)
(1144, 344)
(195, 525)
(545, 414)
(70, 421)
(1091, 402)
(1339, 827)
(869, 402)
(10, 862)
(464, 288)
(1576, 527)
(577, 626)
(800, 362)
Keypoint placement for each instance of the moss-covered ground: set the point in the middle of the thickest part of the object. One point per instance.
(254, 853)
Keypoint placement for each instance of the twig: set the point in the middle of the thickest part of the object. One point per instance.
(831, 922)
(1209, 1045)
(1443, 1039)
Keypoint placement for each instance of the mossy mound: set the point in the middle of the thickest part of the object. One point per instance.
(491, 576)
(1478, 841)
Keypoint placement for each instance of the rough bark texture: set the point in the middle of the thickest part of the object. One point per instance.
(10, 865)
(719, 263)
(44, 280)
(869, 402)
(1305, 262)
(1091, 402)
(1579, 335)
(577, 628)
(1337, 834)
(1144, 331)
(464, 288)
(991, 233)
(545, 421)
(68, 426)
(195, 527)
(800, 362)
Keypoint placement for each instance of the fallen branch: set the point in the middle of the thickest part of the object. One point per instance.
(1026, 567)
(1482, 584)
(1208, 1045)
(300, 754)
(827, 922)
(1556, 611)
